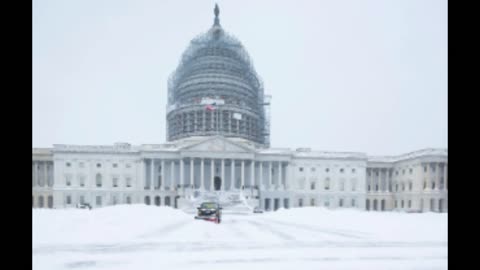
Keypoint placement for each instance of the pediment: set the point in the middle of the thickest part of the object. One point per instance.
(218, 144)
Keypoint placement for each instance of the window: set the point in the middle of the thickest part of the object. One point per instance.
(433, 185)
(82, 181)
(410, 186)
(368, 188)
(81, 165)
(326, 203)
(376, 187)
(68, 180)
(82, 199)
(312, 202)
(402, 204)
(409, 204)
(98, 180)
(128, 165)
(354, 185)
(115, 165)
(312, 185)
(396, 203)
(424, 184)
(403, 171)
(396, 172)
(353, 202)
(327, 170)
(353, 170)
(376, 173)
(128, 181)
(411, 171)
(425, 168)
(396, 187)
(114, 200)
(160, 169)
(300, 169)
(369, 173)
(99, 165)
(433, 168)
(69, 199)
(342, 185)
(403, 186)
(327, 183)
(68, 164)
(99, 200)
(342, 170)
(300, 202)
(312, 169)
(340, 203)
(115, 181)
(128, 200)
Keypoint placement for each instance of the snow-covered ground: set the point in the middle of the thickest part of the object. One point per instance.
(147, 237)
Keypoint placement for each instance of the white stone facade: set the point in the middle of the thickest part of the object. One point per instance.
(66, 175)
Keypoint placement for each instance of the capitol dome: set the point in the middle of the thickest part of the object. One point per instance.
(216, 91)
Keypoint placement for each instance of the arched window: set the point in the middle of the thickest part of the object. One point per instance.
(340, 203)
(157, 200)
(300, 202)
(128, 200)
(167, 201)
(312, 185)
(382, 205)
(368, 205)
(375, 204)
(98, 180)
(147, 200)
(40, 201)
(50, 201)
(432, 205)
(353, 202)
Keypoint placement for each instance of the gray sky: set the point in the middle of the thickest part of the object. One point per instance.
(345, 75)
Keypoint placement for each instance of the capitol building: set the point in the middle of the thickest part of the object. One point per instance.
(218, 144)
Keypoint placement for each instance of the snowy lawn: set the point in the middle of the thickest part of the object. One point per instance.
(147, 237)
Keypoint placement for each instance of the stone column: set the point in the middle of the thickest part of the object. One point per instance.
(192, 180)
(438, 176)
(252, 173)
(444, 174)
(152, 172)
(427, 178)
(162, 175)
(287, 175)
(270, 180)
(280, 182)
(212, 173)
(172, 174)
(201, 175)
(182, 181)
(232, 183)
(45, 179)
(261, 174)
(242, 173)
(222, 187)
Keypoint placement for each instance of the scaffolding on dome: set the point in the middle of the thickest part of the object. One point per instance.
(215, 90)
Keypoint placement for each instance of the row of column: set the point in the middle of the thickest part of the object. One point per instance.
(383, 180)
(159, 164)
(41, 177)
(436, 175)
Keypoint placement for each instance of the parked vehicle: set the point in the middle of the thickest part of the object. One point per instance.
(210, 211)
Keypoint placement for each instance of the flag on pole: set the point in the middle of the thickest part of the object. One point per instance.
(210, 107)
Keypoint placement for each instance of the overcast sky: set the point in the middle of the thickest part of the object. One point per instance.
(345, 75)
